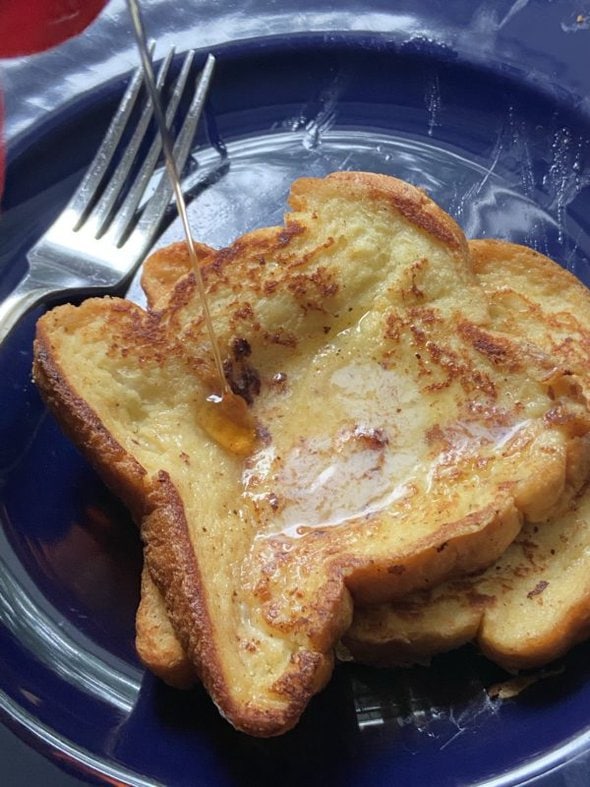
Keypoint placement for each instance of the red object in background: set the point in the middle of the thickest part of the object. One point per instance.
(2, 155)
(28, 26)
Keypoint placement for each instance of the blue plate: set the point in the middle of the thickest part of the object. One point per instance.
(504, 153)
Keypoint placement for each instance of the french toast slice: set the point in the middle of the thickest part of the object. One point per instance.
(401, 439)
(533, 604)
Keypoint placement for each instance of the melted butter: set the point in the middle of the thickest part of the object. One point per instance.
(349, 458)
(369, 446)
(326, 485)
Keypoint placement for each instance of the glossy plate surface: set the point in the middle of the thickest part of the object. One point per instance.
(509, 158)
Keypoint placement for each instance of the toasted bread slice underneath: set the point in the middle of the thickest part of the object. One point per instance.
(533, 604)
(401, 439)
(156, 642)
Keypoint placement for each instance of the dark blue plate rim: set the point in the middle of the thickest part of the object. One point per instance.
(378, 41)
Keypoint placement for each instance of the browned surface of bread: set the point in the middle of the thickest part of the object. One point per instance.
(163, 269)
(533, 604)
(366, 295)
(539, 589)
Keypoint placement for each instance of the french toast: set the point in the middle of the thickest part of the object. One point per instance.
(401, 439)
(531, 296)
(533, 604)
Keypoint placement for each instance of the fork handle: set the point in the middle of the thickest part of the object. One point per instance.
(27, 294)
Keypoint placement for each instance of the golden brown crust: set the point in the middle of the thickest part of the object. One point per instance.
(120, 472)
(465, 545)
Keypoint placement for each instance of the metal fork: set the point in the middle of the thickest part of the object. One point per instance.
(92, 246)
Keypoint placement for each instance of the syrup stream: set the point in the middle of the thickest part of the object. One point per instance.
(173, 174)
(225, 416)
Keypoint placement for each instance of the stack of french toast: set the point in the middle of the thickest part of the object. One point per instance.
(418, 477)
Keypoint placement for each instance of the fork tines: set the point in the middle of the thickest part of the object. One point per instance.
(111, 197)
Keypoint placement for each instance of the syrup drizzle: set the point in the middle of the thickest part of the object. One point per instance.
(224, 415)
(228, 421)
